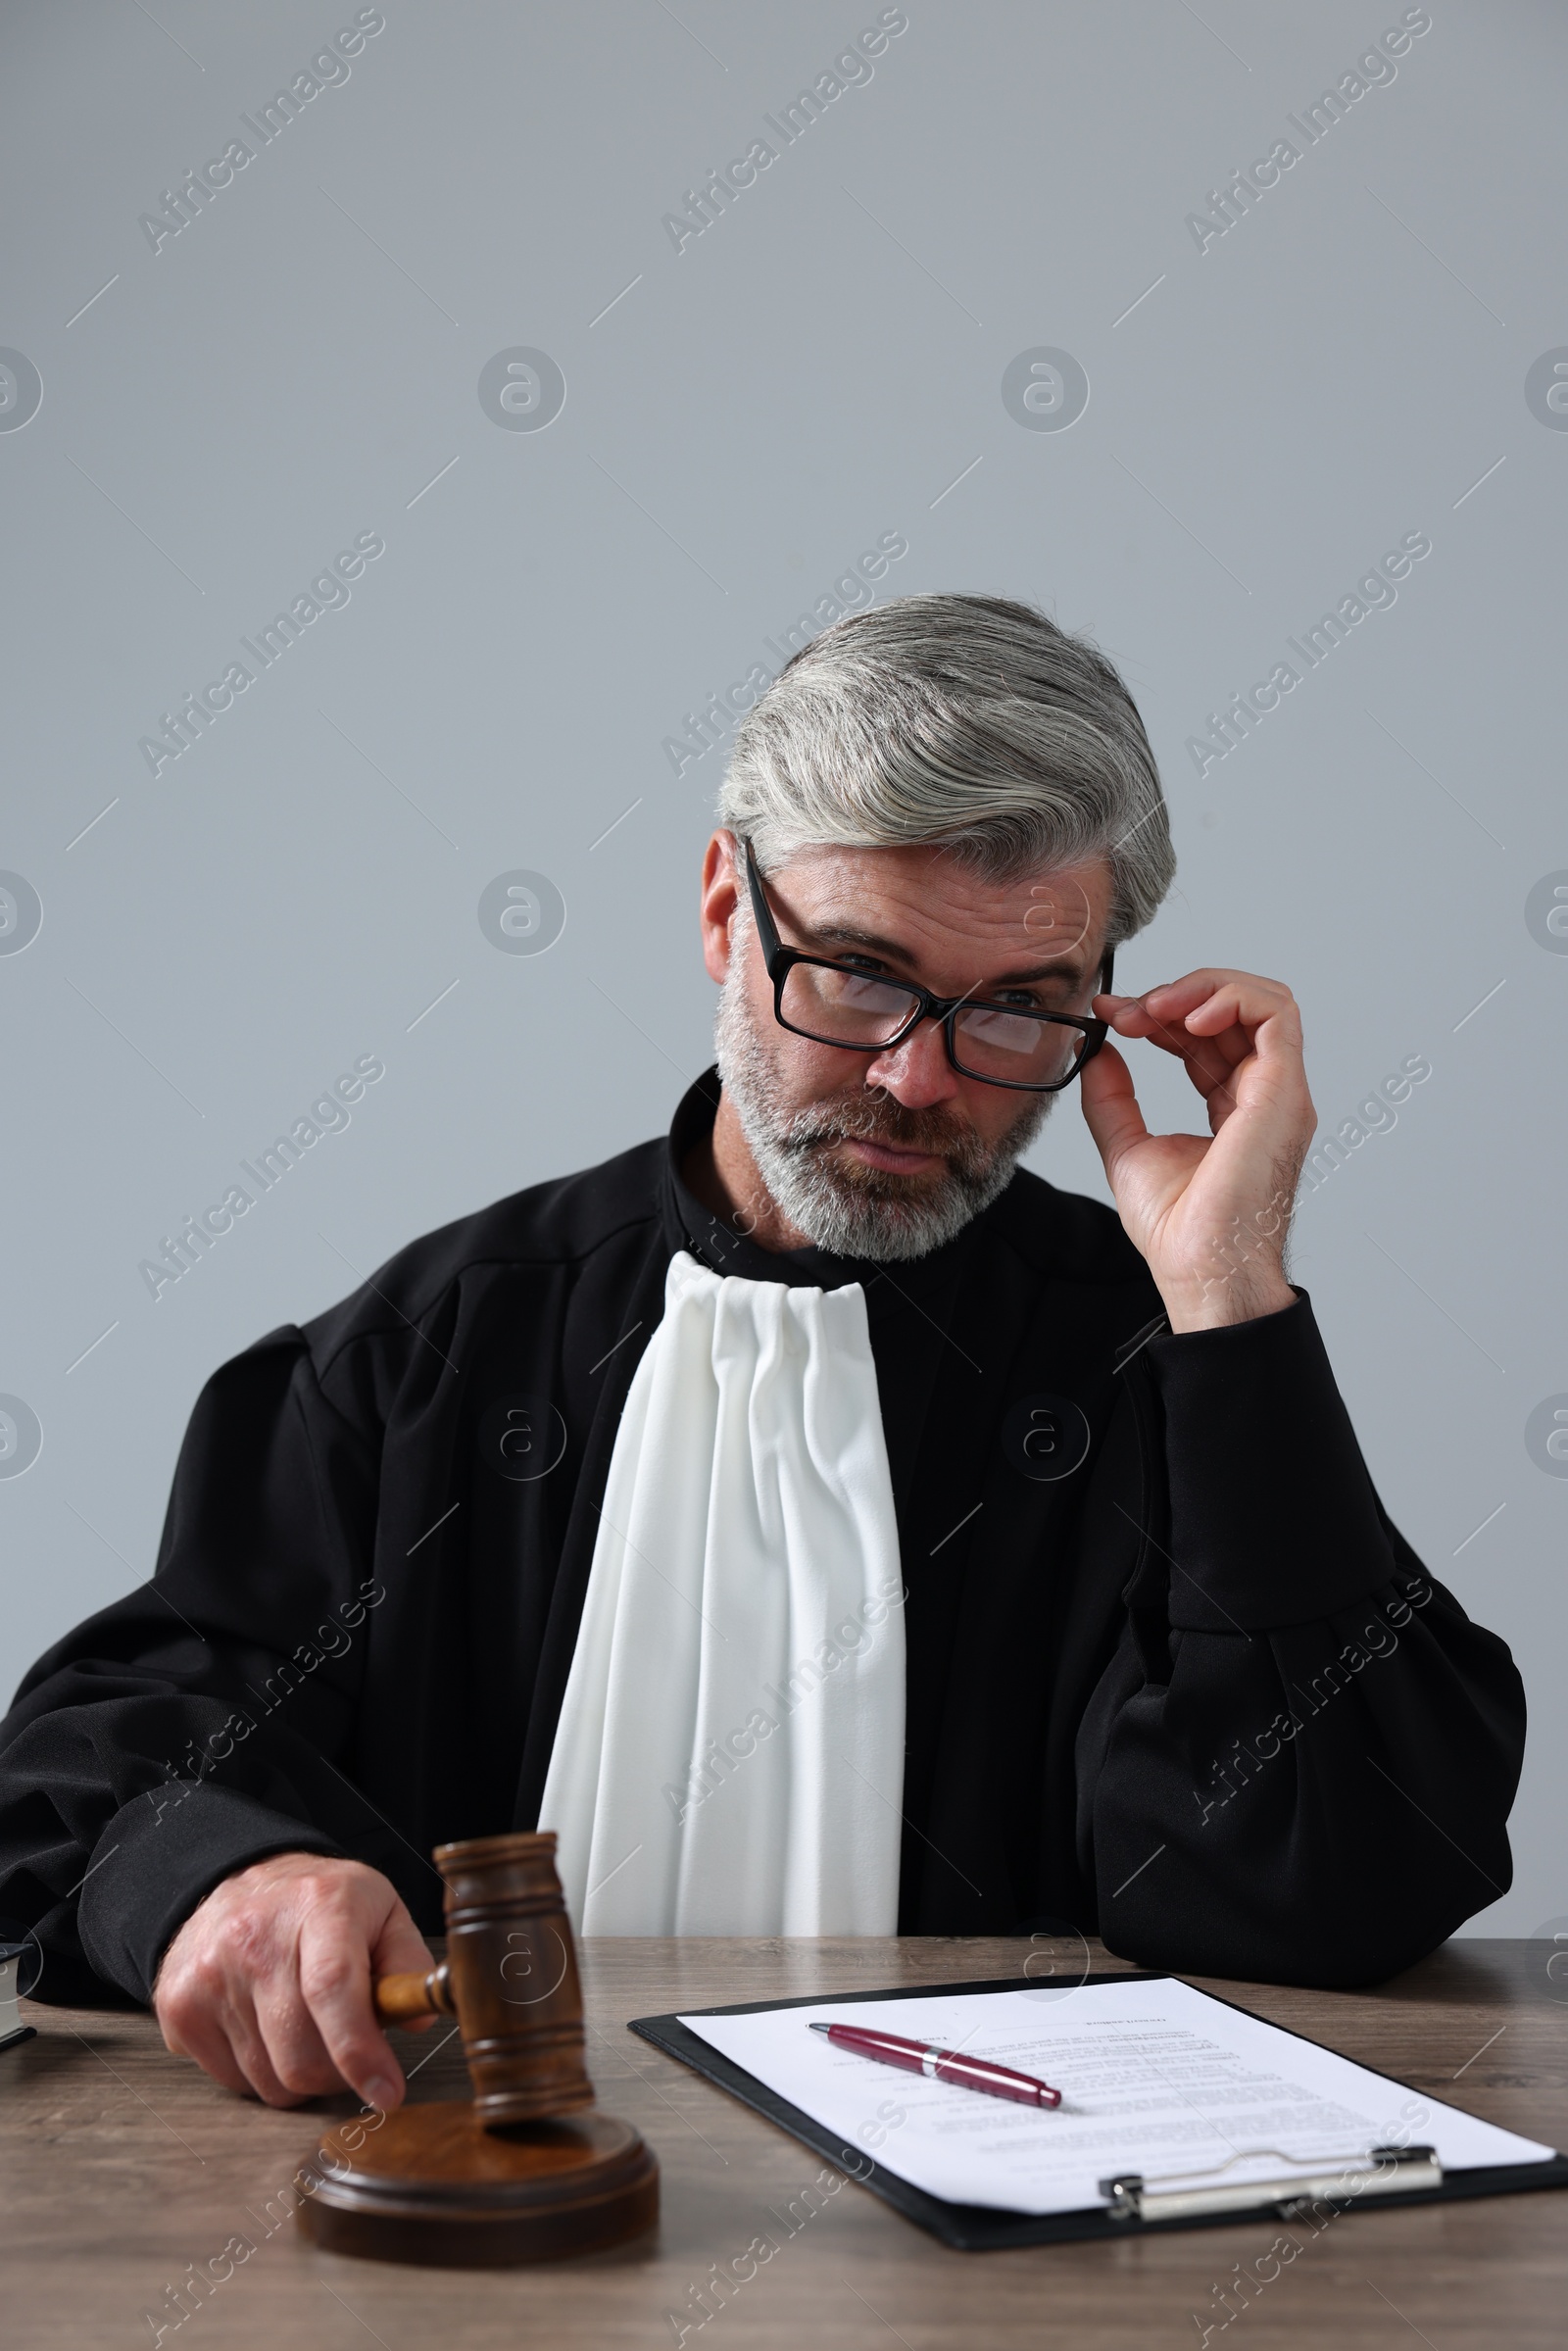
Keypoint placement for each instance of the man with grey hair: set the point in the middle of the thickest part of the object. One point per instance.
(821, 1524)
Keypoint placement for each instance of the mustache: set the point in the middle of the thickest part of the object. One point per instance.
(878, 1118)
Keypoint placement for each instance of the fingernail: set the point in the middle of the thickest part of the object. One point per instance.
(383, 2092)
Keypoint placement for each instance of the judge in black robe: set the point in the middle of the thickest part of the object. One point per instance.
(1172, 1675)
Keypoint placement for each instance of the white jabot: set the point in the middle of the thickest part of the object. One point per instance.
(730, 1753)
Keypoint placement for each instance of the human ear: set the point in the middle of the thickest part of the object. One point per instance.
(719, 900)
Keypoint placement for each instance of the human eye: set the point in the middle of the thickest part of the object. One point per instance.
(866, 983)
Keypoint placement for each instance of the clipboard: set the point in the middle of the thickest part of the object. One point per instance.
(1408, 2176)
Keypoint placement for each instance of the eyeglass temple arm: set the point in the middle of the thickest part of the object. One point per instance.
(762, 912)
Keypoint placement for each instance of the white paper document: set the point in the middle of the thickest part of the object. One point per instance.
(1155, 2078)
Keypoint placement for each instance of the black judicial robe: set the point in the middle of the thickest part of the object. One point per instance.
(1196, 1694)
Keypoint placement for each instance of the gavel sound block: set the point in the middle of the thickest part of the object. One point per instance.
(529, 2170)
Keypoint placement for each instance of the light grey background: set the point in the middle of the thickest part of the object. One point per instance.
(1342, 368)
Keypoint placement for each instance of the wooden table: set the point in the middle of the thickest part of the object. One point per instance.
(125, 2170)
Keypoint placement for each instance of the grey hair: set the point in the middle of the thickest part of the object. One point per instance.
(968, 721)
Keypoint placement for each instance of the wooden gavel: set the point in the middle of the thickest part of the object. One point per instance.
(525, 2172)
(509, 1979)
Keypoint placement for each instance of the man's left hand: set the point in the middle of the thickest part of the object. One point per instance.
(1211, 1217)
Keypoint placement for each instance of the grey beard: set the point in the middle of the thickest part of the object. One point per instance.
(846, 1207)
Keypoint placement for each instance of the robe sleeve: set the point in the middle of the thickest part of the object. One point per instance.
(204, 1721)
(1300, 1764)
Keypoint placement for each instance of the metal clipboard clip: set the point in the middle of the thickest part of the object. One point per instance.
(1371, 2172)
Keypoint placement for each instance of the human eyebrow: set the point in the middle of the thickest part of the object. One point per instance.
(846, 934)
(1067, 970)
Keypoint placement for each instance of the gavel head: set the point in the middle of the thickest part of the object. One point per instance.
(509, 1979)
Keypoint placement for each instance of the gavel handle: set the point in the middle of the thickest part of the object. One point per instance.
(404, 1999)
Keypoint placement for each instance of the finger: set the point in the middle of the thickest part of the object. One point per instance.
(1263, 1060)
(1110, 1106)
(401, 1949)
(207, 2012)
(192, 2030)
(1266, 1077)
(1236, 1010)
(291, 2038)
(398, 1948)
(337, 1957)
(1208, 1063)
(1175, 1000)
(1225, 1012)
(238, 2018)
(1233, 1012)
(1224, 1006)
(1280, 1071)
(335, 1982)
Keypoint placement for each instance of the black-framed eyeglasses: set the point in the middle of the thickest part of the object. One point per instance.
(861, 1012)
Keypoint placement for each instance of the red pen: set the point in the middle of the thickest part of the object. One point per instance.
(942, 2064)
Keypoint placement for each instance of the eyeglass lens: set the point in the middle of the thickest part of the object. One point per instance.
(849, 1007)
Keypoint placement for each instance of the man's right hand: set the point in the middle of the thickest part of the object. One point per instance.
(268, 1982)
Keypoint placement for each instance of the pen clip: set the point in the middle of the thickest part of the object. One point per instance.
(1373, 2171)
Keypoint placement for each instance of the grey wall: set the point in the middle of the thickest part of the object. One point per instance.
(1271, 409)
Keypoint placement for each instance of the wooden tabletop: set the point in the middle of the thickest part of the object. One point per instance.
(125, 2170)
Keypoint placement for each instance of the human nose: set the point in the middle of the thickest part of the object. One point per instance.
(916, 1072)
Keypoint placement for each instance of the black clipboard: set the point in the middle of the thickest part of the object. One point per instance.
(981, 2227)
